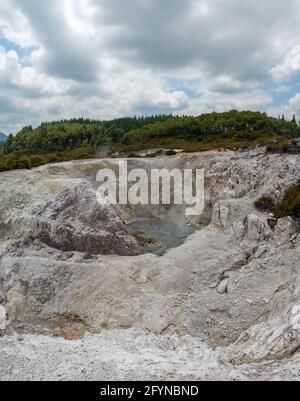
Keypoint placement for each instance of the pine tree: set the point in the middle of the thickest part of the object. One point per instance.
(9, 144)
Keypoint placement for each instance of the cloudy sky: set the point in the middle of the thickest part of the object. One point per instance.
(107, 58)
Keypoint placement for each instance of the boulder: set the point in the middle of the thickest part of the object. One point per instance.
(286, 230)
(75, 221)
(258, 228)
(223, 287)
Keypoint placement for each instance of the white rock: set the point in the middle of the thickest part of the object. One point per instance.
(222, 287)
(213, 285)
(2, 318)
(285, 230)
(258, 228)
(148, 292)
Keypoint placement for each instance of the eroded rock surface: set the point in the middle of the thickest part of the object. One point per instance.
(74, 221)
(233, 284)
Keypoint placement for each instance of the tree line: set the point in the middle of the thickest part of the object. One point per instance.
(66, 135)
(214, 125)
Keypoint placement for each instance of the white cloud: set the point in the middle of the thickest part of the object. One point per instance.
(289, 66)
(294, 104)
(14, 25)
(16, 78)
(106, 58)
(251, 100)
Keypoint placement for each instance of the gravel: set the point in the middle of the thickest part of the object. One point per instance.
(126, 355)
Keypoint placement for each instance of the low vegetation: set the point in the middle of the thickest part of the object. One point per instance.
(265, 204)
(279, 146)
(21, 161)
(288, 206)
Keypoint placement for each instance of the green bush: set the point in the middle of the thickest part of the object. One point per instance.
(23, 162)
(79, 153)
(278, 148)
(170, 152)
(290, 204)
(132, 155)
(265, 204)
(15, 162)
(37, 160)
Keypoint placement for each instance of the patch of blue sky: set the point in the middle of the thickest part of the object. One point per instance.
(189, 87)
(22, 52)
(283, 92)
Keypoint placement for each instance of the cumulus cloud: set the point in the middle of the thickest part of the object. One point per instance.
(25, 80)
(14, 25)
(107, 58)
(289, 67)
(294, 104)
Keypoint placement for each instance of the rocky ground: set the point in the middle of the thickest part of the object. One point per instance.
(129, 355)
(223, 305)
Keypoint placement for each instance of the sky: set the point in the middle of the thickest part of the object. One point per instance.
(111, 58)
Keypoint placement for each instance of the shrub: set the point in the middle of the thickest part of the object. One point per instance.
(132, 155)
(278, 148)
(15, 162)
(290, 204)
(170, 152)
(3, 166)
(79, 153)
(23, 162)
(265, 204)
(37, 160)
(52, 158)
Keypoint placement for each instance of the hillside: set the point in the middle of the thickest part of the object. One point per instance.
(81, 138)
(210, 131)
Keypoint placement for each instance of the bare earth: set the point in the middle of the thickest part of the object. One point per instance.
(129, 355)
(82, 302)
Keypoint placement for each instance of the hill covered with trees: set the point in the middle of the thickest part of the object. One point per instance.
(214, 129)
(81, 138)
(71, 134)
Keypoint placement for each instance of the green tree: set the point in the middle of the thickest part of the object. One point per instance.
(9, 144)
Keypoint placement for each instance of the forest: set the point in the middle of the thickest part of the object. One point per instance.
(81, 138)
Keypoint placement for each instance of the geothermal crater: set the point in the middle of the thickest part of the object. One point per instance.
(222, 289)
